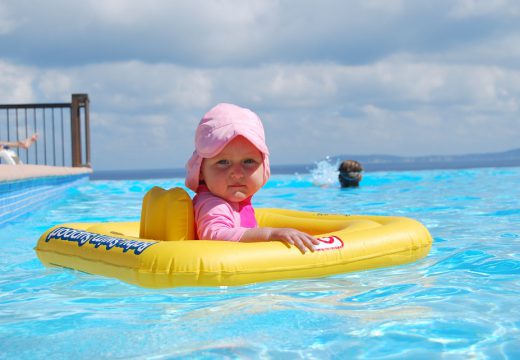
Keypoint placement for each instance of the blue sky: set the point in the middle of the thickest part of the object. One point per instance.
(327, 77)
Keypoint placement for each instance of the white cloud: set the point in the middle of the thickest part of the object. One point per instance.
(399, 76)
(151, 110)
(53, 84)
(132, 85)
(237, 33)
(481, 8)
(122, 12)
(7, 23)
(386, 6)
(16, 83)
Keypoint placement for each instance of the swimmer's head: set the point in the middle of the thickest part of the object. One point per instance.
(350, 173)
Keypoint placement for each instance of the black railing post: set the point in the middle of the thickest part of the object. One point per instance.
(79, 101)
(87, 131)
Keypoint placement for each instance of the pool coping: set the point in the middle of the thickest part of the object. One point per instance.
(22, 172)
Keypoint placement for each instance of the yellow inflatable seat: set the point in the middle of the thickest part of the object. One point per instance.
(148, 253)
(167, 215)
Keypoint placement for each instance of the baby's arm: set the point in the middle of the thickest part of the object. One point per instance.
(215, 221)
(294, 237)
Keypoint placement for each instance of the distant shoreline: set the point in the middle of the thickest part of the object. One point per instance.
(306, 168)
(370, 163)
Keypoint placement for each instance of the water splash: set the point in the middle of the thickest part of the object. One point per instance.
(325, 173)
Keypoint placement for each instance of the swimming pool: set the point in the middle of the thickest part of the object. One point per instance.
(461, 301)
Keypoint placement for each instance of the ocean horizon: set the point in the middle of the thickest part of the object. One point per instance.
(140, 174)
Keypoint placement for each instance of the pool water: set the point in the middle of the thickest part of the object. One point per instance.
(459, 302)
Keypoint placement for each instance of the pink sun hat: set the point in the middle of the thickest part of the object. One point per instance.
(217, 128)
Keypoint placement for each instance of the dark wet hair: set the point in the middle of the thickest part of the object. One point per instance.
(350, 173)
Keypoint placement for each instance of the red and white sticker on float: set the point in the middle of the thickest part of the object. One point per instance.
(329, 243)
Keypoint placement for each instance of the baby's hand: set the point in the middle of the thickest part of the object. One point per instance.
(294, 237)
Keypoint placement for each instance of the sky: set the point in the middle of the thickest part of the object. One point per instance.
(328, 77)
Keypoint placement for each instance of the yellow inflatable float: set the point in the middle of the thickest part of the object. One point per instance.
(157, 251)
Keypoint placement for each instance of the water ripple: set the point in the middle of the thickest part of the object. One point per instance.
(460, 301)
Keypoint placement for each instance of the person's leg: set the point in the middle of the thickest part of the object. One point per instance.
(29, 141)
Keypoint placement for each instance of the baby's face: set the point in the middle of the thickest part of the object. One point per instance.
(236, 173)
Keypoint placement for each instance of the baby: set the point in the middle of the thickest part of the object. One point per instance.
(229, 165)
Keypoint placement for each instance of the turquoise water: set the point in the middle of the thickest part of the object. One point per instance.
(459, 302)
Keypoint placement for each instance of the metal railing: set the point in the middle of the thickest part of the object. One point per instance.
(63, 131)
